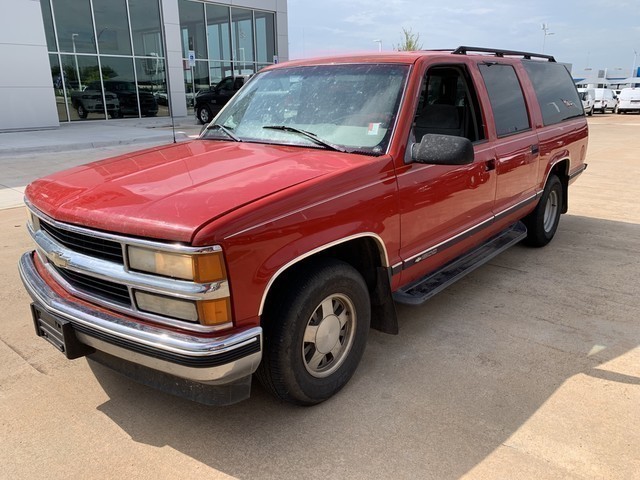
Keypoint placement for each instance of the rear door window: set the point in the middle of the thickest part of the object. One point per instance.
(555, 90)
(506, 98)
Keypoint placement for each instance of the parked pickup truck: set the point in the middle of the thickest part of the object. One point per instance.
(323, 192)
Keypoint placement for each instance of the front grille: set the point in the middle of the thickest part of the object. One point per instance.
(104, 289)
(86, 244)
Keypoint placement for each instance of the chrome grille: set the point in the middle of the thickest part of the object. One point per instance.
(86, 244)
(109, 291)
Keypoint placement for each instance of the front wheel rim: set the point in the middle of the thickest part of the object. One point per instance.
(328, 335)
(204, 115)
(551, 211)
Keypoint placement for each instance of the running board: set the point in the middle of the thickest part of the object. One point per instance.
(423, 289)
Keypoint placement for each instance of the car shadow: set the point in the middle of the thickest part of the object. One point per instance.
(467, 370)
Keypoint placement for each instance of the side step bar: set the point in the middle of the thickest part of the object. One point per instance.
(423, 289)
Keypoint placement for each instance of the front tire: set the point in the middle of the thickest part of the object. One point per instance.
(82, 112)
(315, 333)
(204, 114)
(543, 222)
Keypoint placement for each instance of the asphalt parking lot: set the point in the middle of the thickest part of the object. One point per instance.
(527, 368)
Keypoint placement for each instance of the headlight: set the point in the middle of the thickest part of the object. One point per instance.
(200, 268)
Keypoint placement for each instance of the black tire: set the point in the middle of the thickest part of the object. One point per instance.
(590, 112)
(82, 112)
(204, 114)
(329, 302)
(543, 222)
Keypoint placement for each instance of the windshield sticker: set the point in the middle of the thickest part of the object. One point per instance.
(373, 129)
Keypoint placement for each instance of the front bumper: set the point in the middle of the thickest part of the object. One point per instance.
(219, 360)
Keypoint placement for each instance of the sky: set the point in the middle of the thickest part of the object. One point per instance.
(597, 34)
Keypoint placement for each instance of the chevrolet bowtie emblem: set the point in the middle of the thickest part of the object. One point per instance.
(58, 259)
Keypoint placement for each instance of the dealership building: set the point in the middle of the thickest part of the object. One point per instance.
(80, 60)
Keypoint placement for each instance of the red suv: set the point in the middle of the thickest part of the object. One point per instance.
(325, 191)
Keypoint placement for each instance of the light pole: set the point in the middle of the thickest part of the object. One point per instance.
(379, 42)
(545, 30)
(633, 66)
(75, 58)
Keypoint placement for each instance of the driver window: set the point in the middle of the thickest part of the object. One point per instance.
(448, 105)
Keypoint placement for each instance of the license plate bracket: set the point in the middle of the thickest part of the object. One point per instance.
(59, 333)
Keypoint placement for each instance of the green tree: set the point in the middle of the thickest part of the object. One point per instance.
(410, 42)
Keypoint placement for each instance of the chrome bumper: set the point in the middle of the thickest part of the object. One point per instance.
(215, 361)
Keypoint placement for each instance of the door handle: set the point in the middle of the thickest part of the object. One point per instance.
(490, 165)
(535, 148)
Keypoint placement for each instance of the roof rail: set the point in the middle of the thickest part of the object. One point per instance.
(501, 53)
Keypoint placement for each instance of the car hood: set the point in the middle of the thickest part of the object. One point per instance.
(169, 192)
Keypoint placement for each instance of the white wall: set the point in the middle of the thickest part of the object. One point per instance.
(27, 98)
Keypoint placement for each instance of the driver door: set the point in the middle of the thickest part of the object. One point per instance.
(444, 209)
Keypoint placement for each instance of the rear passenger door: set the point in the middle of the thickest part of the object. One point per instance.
(516, 145)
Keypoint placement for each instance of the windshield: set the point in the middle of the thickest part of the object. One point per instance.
(351, 107)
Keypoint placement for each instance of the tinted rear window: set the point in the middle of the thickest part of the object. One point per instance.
(556, 92)
(506, 97)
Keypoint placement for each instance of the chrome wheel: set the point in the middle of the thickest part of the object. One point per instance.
(328, 336)
(551, 211)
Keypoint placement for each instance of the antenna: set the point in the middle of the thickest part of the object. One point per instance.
(166, 70)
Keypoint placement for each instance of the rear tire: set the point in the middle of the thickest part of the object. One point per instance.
(315, 333)
(543, 222)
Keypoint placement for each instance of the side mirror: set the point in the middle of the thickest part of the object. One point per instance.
(442, 150)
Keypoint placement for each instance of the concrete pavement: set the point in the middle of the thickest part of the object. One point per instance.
(527, 368)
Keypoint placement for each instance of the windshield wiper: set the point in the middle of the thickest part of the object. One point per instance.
(310, 135)
(225, 130)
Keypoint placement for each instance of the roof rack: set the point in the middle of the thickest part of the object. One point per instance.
(502, 53)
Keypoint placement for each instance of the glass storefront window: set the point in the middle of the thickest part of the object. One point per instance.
(218, 32)
(58, 87)
(196, 79)
(112, 27)
(192, 28)
(265, 37)
(152, 86)
(48, 26)
(74, 26)
(219, 70)
(145, 27)
(242, 33)
(107, 56)
(118, 79)
(84, 95)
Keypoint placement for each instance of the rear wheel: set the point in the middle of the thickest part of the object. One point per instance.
(543, 222)
(315, 333)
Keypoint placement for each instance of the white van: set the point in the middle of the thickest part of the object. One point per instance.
(588, 96)
(629, 100)
(605, 100)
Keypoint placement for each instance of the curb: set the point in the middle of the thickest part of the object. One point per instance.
(64, 147)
